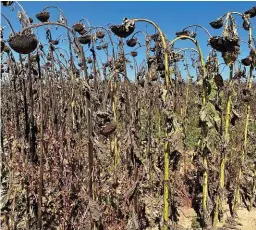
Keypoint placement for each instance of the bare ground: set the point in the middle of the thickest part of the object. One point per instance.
(245, 218)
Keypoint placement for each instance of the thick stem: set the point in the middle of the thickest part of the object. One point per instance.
(219, 199)
(248, 108)
(16, 113)
(32, 138)
(166, 145)
(94, 68)
(149, 131)
(40, 186)
(114, 144)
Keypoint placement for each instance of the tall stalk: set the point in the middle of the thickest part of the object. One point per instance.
(149, 130)
(40, 186)
(95, 77)
(114, 144)
(32, 141)
(16, 113)
(184, 113)
(248, 108)
(219, 199)
(166, 145)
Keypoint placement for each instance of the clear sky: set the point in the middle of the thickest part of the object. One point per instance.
(170, 16)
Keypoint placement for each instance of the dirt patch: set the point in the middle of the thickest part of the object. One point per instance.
(245, 218)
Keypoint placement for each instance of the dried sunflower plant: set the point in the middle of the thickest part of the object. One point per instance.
(83, 146)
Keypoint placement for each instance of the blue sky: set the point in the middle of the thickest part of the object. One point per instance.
(170, 16)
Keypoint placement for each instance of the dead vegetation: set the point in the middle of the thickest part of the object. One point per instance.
(84, 147)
